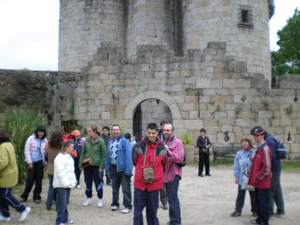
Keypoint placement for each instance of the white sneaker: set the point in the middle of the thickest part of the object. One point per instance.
(126, 210)
(87, 202)
(114, 208)
(78, 186)
(100, 203)
(5, 218)
(24, 214)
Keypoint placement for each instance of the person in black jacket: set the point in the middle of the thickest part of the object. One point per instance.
(203, 144)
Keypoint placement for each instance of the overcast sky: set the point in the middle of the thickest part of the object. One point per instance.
(29, 32)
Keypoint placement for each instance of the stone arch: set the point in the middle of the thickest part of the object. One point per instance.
(171, 103)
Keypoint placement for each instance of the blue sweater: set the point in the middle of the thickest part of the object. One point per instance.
(273, 144)
(241, 162)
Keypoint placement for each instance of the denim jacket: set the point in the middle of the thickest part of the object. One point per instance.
(241, 163)
(124, 161)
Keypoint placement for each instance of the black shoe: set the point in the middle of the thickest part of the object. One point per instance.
(208, 175)
(201, 175)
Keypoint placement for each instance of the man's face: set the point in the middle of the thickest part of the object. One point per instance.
(151, 135)
(105, 132)
(162, 126)
(168, 132)
(258, 139)
(116, 132)
(202, 134)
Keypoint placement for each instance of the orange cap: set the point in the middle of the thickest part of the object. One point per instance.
(76, 132)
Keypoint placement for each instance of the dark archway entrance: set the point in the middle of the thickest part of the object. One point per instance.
(149, 111)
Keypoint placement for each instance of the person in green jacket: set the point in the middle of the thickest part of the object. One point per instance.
(93, 147)
(9, 179)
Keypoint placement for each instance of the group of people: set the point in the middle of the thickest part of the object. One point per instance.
(157, 159)
(63, 158)
(262, 167)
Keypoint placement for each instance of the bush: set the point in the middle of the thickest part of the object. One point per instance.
(20, 123)
(187, 139)
(12, 99)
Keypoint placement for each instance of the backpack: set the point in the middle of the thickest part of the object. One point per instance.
(281, 150)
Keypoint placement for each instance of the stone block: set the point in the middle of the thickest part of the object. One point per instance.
(220, 115)
(292, 130)
(229, 83)
(242, 122)
(204, 115)
(194, 124)
(216, 83)
(226, 98)
(203, 83)
(265, 114)
(187, 106)
(228, 128)
(189, 152)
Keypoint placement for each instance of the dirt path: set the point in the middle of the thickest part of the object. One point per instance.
(208, 200)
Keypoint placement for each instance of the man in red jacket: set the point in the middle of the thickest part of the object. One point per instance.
(260, 176)
(147, 194)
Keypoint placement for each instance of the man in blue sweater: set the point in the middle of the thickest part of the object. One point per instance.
(275, 190)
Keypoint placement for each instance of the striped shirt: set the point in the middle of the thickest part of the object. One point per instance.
(175, 155)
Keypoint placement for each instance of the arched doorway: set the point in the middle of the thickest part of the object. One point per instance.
(149, 111)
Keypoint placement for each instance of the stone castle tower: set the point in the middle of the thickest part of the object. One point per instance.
(181, 25)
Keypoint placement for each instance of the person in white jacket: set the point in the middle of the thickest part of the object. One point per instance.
(64, 179)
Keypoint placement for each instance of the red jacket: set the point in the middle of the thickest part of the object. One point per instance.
(260, 170)
(138, 152)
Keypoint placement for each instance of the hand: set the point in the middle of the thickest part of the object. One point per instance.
(45, 167)
(80, 168)
(236, 180)
(251, 158)
(167, 148)
(108, 175)
(30, 166)
(100, 170)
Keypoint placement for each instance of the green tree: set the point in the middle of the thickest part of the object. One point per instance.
(287, 59)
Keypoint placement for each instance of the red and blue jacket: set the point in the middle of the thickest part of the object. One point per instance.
(261, 168)
(138, 154)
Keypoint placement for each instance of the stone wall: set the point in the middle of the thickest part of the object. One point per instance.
(205, 88)
(40, 79)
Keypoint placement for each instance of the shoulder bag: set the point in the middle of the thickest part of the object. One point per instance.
(148, 173)
(88, 162)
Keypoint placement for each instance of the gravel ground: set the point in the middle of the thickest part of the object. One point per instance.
(207, 200)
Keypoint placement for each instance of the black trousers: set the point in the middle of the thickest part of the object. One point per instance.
(203, 159)
(34, 175)
(262, 201)
(77, 170)
(240, 200)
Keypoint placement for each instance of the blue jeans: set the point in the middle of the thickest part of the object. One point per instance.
(91, 174)
(51, 192)
(276, 194)
(150, 199)
(117, 180)
(6, 199)
(174, 204)
(62, 201)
